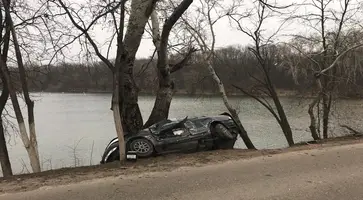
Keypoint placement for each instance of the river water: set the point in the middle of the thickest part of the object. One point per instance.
(73, 129)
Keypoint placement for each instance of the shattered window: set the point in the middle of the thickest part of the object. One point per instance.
(191, 126)
(195, 127)
(201, 123)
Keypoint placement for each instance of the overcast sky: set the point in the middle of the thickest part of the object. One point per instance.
(225, 33)
(228, 35)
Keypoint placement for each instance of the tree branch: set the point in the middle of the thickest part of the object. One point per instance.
(85, 32)
(266, 105)
(146, 66)
(341, 23)
(264, 2)
(178, 12)
(337, 59)
(183, 62)
(356, 133)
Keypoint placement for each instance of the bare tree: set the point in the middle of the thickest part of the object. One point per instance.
(29, 141)
(127, 46)
(198, 31)
(4, 156)
(328, 47)
(24, 86)
(116, 68)
(29, 146)
(265, 53)
(125, 90)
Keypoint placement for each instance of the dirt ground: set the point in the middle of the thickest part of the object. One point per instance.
(26, 182)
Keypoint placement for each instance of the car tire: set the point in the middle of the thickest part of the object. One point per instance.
(223, 132)
(113, 156)
(142, 146)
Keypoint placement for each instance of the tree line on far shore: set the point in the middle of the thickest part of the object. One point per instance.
(234, 65)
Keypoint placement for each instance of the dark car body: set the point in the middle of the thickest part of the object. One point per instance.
(183, 135)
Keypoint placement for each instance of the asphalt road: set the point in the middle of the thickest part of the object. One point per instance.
(328, 174)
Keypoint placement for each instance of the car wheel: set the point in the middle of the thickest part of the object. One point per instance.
(111, 154)
(143, 147)
(223, 132)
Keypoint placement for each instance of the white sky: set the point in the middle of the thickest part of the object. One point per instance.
(225, 34)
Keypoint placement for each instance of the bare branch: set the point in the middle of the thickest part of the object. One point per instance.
(85, 32)
(183, 62)
(183, 6)
(272, 7)
(338, 59)
(266, 105)
(146, 66)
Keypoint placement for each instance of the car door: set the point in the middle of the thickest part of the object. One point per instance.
(178, 139)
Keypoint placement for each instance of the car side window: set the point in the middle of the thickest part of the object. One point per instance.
(191, 126)
(170, 129)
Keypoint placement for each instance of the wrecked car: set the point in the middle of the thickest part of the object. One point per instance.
(179, 135)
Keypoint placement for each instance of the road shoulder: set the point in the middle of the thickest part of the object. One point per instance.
(65, 176)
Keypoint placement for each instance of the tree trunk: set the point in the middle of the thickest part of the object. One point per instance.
(117, 116)
(164, 95)
(30, 104)
(242, 131)
(284, 123)
(129, 108)
(4, 155)
(326, 112)
(32, 152)
(130, 112)
(162, 103)
(233, 112)
(312, 127)
(286, 128)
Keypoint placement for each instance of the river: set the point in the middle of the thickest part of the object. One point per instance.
(73, 129)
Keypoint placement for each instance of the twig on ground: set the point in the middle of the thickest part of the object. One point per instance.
(356, 133)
